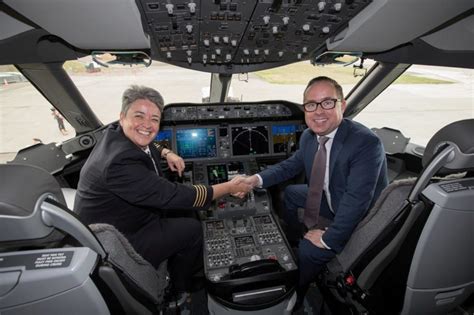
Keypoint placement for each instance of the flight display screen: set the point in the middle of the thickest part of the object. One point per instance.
(217, 174)
(284, 138)
(164, 138)
(250, 140)
(196, 143)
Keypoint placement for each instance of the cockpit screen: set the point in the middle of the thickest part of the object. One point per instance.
(196, 143)
(284, 138)
(250, 140)
(164, 138)
(217, 174)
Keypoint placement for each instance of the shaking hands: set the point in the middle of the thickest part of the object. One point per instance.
(242, 185)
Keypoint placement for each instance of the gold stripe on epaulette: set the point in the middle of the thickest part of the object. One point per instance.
(201, 195)
(156, 144)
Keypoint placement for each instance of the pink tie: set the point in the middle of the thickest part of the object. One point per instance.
(316, 184)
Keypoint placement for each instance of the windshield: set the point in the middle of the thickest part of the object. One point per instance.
(418, 104)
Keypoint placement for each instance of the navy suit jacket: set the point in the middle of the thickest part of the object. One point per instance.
(358, 174)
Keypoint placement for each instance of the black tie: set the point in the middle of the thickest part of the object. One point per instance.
(153, 161)
(316, 184)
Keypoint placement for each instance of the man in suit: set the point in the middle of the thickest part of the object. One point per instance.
(355, 174)
(122, 184)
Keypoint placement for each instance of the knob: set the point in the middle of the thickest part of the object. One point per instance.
(266, 19)
(225, 39)
(169, 7)
(321, 5)
(206, 42)
(286, 19)
(337, 6)
(306, 27)
(189, 28)
(192, 7)
(325, 29)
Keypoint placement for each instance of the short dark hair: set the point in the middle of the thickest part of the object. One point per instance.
(138, 92)
(336, 85)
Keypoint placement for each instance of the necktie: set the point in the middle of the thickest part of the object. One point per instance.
(153, 161)
(315, 191)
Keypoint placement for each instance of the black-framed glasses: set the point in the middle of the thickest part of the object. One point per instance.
(311, 106)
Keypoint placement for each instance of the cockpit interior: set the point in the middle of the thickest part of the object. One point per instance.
(411, 254)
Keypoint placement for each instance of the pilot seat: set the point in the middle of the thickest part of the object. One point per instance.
(51, 263)
(413, 253)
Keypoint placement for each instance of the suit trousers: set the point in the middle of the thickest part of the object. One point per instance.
(310, 257)
(177, 239)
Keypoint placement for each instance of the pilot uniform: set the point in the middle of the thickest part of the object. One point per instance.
(120, 184)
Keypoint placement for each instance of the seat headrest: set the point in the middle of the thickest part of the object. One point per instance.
(460, 133)
(22, 185)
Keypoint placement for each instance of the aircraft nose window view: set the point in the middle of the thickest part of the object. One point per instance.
(237, 157)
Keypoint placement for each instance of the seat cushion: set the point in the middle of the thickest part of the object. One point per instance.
(123, 256)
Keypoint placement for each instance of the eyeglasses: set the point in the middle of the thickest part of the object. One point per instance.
(326, 104)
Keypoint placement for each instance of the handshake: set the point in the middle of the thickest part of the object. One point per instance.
(241, 185)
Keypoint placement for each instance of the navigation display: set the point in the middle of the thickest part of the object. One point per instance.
(196, 143)
(250, 140)
(165, 138)
(284, 138)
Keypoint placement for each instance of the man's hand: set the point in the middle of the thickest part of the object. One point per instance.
(314, 236)
(175, 163)
(239, 186)
(251, 181)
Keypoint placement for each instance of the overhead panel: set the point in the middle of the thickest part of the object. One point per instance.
(243, 35)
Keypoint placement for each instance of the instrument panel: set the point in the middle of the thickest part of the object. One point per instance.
(232, 141)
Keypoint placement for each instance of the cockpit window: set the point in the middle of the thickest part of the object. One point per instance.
(418, 104)
(422, 101)
(26, 117)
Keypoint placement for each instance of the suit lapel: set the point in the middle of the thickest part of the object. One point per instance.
(337, 145)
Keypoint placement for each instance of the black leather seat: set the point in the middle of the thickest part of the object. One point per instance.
(413, 253)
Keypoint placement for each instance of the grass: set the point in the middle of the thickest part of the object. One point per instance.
(302, 72)
(297, 73)
(414, 79)
(8, 68)
(74, 66)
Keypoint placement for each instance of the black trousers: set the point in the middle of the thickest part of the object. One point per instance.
(177, 239)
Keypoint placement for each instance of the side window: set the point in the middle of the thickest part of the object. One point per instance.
(26, 117)
(422, 101)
